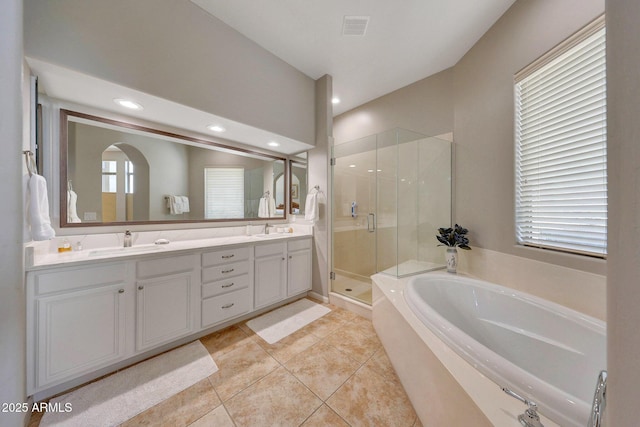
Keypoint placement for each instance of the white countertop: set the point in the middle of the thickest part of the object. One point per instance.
(36, 260)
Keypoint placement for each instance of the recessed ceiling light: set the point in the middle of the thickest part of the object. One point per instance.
(273, 144)
(335, 100)
(369, 170)
(127, 103)
(216, 128)
(352, 166)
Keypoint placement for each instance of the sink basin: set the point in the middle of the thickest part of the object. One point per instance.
(268, 236)
(122, 251)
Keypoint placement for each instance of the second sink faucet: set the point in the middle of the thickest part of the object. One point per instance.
(127, 239)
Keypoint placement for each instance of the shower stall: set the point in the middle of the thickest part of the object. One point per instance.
(391, 192)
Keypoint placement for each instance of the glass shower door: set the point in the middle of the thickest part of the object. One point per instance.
(354, 219)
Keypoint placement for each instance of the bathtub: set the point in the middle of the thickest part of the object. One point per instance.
(539, 349)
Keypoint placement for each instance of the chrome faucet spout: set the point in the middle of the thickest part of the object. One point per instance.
(127, 239)
(599, 401)
(266, 228)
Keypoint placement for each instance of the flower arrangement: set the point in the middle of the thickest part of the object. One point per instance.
(454, 237)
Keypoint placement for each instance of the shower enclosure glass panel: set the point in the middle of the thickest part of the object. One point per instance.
(391, 192)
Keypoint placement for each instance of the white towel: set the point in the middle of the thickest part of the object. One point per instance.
(311, 206)
(184, 203)
(174, 203)
(38, 209)
(72, 212)
(263, 208)
(272, 206)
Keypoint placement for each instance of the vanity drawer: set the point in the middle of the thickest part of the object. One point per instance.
(223, 286)
(166, 265)
(270, 249)
(223, 307)
(65, 279)
(224, 256)
(218, 272)
(298, 245)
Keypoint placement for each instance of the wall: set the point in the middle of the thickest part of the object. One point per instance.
(425, 106)
(318, 167)
(483, 124)
(177, 51)
(12, 299)
(623, 264)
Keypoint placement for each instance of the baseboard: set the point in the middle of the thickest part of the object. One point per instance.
(318, 297)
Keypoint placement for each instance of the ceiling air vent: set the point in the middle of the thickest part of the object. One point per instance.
(355, 25)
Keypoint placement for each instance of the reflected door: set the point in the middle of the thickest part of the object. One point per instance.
(354, 218)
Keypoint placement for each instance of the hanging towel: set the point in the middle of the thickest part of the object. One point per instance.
(263, 208)
(38, 209)
(272, 206)
(72, 212)
(311, 206)
(184, 203)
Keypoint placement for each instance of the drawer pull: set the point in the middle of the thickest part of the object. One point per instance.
(121, 291)
(227, 271)
(228, 286)
(227, 256)
(228, 305)
(140, 287)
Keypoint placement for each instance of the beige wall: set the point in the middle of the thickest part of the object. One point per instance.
(483, 127)
(425, 106)
(623, 287)
(177, 51)
(12, 299)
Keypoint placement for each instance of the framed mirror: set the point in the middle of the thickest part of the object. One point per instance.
(299, 185)
(119, 173)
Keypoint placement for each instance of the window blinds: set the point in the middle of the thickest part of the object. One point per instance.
(224, 193)
(561, 143)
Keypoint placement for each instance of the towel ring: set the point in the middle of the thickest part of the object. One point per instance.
(29, 159)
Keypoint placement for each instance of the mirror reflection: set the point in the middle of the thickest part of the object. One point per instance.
(299, 187)
(119, 173)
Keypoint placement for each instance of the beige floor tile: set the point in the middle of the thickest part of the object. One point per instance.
(368, 399)
(322, 368)
(328, 323)
(363, 324)
(181, 409)
(216, 418)
(381, 364)
(288, 346)
(278, 399)
(224, 341)
(325, 417)
(240, 368)
(354, 342)
(418, 423)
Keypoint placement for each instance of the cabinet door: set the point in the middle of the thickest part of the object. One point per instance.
(299, 272)
(270, 280)
(79, 332)
(164, 309)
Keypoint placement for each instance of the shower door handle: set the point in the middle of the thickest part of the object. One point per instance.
(371, 222)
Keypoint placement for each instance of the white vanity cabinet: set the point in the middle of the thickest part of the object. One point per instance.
(76, 321)
(167, 299)
(226, 284)
(298, 266)
(270, 274)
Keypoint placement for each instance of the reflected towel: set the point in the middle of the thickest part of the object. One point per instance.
(263, 208)
(272, 206)
(184, 203)
(311, 207)
(38, 209)
(72, 212)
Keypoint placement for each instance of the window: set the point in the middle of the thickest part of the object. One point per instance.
(109, 176)
(561, 147)
(223, 193)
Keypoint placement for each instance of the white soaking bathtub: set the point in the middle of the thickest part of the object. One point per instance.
(541, 350)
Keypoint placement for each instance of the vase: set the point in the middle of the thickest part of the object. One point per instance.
(452, 260)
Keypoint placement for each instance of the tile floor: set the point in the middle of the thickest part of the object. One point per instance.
(333, 372)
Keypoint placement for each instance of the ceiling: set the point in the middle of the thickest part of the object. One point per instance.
(405, 40)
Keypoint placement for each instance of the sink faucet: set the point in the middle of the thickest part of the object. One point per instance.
(266, 228)
(127, 239)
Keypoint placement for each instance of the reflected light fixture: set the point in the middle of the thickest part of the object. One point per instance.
(352, 166)
(216, 128)
(127, 103)
(273, 144)
(335, 100)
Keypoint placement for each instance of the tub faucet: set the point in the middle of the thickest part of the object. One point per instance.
(127, 239)
(530, 417)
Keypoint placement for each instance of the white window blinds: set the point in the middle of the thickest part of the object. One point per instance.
(561, 148)
(224, 193)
